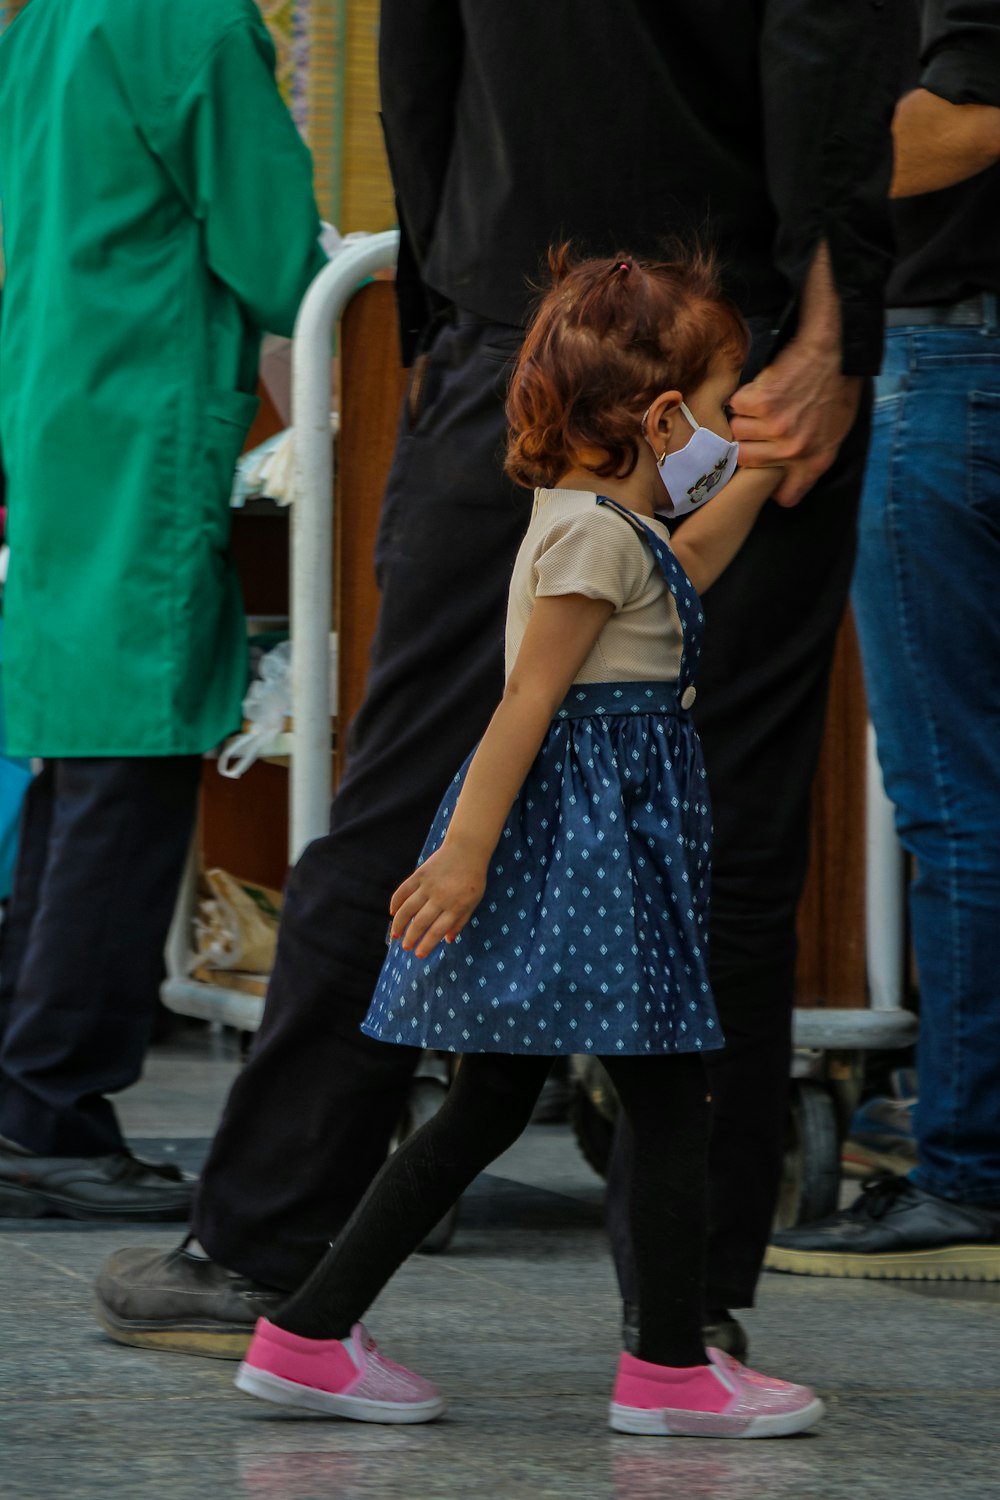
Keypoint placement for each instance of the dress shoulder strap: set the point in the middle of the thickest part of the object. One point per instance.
(688, 603)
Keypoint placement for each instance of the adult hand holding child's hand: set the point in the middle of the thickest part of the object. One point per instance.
(800, 408)
(437, 900)
(796, 412)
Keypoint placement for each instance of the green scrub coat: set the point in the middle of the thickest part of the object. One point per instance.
(158, 213)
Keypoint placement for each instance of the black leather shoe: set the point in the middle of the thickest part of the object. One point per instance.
(180, 1302)
(119, 1187)
(895, 1230)
(719, 1331)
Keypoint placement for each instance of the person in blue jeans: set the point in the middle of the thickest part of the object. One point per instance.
(926, 604)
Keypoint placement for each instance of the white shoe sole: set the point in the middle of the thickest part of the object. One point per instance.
(667, 1422)
(355, 1408)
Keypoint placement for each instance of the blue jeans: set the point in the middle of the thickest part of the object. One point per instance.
(927, 603)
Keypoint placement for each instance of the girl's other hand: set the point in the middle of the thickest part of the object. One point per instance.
(437, 900)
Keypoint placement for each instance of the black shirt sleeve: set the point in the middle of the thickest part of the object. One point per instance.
(830, 78)
(948, 244)
(960, 56)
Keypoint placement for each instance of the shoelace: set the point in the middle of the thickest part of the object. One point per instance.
(879, 1195)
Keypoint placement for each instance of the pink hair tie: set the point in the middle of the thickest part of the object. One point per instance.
(624, 266)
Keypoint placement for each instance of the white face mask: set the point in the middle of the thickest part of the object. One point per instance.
(697, 471)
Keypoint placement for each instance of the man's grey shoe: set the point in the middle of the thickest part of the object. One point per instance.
(719, 1331)
(119, 1187)
(180, 1302)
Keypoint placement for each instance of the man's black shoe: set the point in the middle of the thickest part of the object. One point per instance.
(895, 1230)
(119, 1187)
(720, 1330)
(180, 1302)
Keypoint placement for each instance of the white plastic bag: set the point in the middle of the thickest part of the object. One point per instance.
(266, 707)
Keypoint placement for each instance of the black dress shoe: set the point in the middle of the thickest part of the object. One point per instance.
(180, 1302)
(720, 1330)
(895, 1230)
(118, 1187)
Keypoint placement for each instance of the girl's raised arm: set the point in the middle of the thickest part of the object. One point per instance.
(438, 899)
(706, 543)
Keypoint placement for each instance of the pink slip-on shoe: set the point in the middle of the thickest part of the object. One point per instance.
(338, 1377)
(720, 1399)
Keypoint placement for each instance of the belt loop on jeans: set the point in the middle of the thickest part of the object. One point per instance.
(990, 323)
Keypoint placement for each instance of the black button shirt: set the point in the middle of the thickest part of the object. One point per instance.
(762, 125)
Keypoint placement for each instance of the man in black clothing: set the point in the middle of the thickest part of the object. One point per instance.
(765, 127)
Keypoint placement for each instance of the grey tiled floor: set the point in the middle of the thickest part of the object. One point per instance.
(517, 1323)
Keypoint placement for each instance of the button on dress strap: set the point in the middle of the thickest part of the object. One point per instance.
(688, 603)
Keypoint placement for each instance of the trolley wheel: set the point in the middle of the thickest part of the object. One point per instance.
(810, 1185)
(592, 1112)
(426, 1096)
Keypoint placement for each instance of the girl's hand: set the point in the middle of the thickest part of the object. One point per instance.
(440, 897)
(437, 900)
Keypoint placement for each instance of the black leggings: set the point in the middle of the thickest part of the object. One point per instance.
(487, 1108)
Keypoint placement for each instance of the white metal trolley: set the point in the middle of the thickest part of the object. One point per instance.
(311, 613)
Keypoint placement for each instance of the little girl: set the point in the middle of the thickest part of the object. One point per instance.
(561, 900)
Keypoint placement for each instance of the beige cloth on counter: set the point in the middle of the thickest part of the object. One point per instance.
(575, 546)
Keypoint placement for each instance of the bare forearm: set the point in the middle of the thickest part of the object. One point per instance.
(436, 901)
(819, 309)
(498, 769)
(706, 544)
(938, 144)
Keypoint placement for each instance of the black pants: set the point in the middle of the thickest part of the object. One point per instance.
(103, 844)
(308, 1121)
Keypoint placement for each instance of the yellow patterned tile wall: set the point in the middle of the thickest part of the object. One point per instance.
(367, 192)
(327, 71)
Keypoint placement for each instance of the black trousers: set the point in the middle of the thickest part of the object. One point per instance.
(308, 1122)
(103, 844)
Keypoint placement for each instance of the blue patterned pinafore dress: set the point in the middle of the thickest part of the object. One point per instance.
(592, 932)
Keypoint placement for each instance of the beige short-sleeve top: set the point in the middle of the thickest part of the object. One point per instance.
(575, 546)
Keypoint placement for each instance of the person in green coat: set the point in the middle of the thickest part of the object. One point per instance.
(158, 214)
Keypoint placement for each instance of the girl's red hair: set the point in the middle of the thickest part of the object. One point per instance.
(608, 337)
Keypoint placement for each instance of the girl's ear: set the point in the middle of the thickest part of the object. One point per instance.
(661, 419)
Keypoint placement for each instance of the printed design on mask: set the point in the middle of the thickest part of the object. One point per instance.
(703, 487)
(705, 451)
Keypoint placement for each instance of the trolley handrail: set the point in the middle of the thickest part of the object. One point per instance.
(312, 530)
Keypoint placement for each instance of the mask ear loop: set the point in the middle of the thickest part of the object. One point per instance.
(642, 428)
